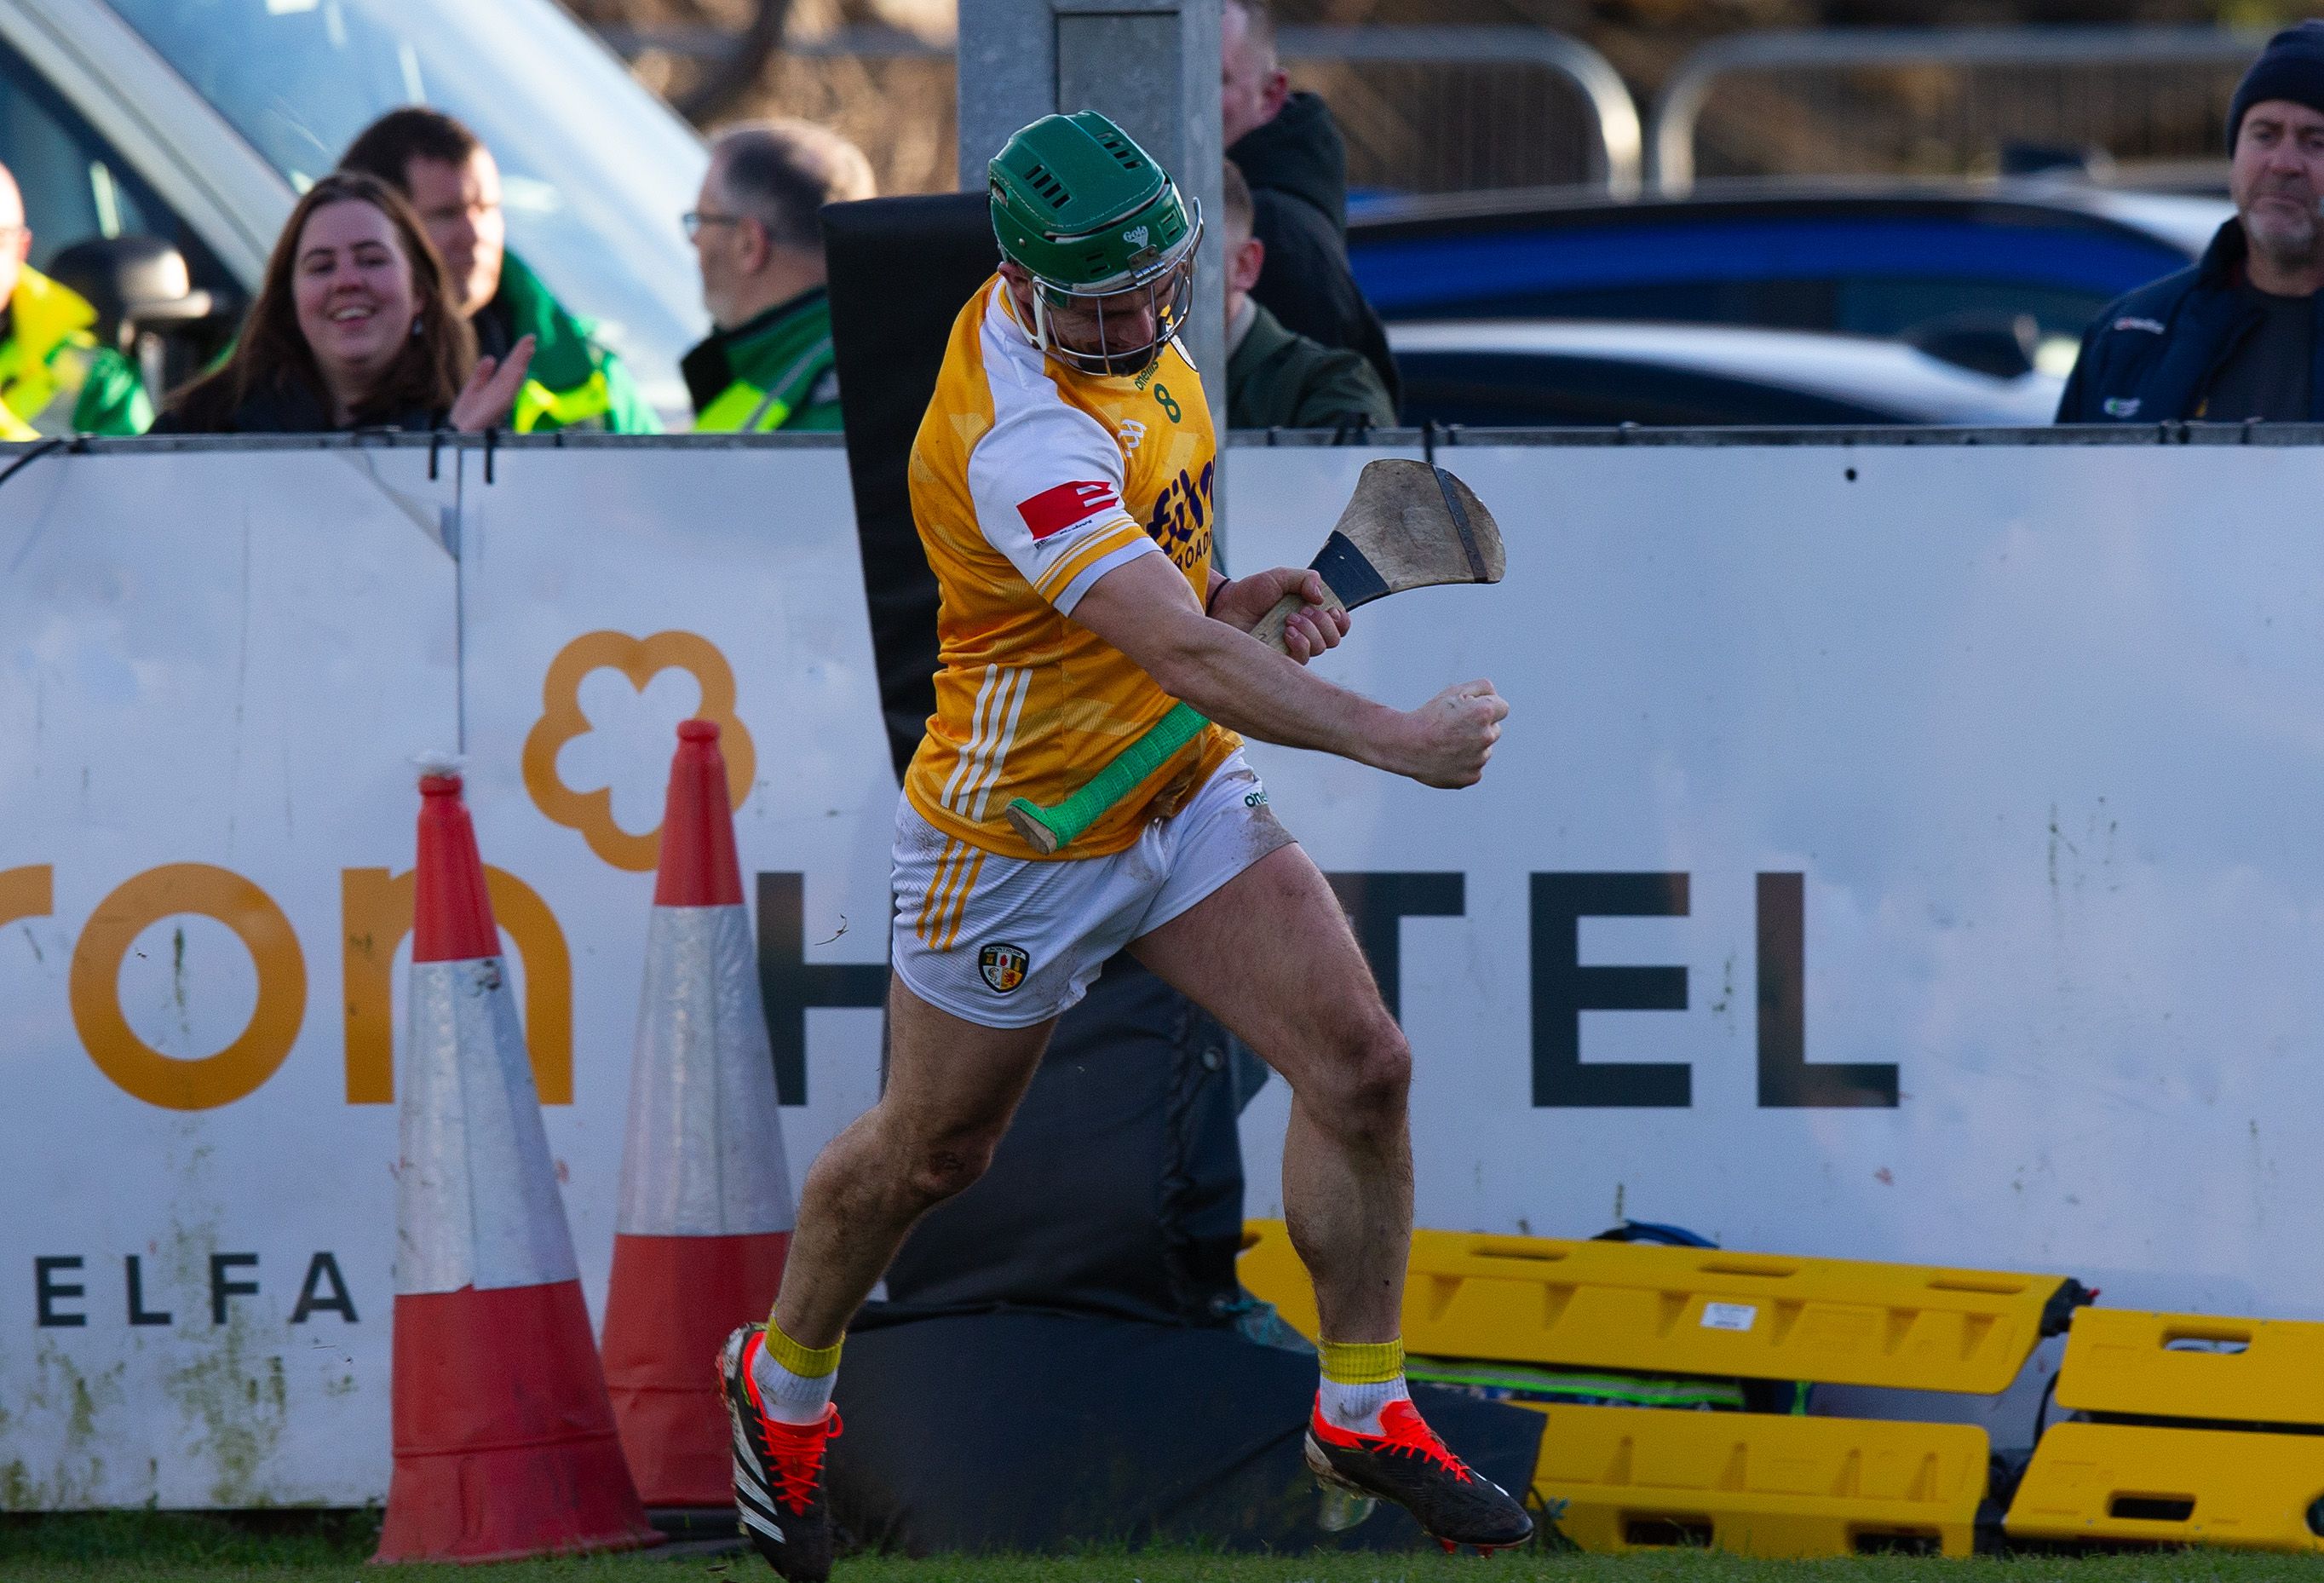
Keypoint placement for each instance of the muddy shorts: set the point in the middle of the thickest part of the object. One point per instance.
(1008, 943)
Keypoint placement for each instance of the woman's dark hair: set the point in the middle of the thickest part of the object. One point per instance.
(273, 354)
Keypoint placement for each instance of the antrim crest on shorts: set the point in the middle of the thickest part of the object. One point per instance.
(1002, 965)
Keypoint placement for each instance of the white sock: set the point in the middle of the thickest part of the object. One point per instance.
(787, 1397)
(1357, 1408)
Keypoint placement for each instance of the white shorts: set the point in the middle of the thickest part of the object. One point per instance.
(1006, 942)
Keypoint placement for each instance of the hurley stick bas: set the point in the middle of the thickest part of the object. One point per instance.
(1408, 525)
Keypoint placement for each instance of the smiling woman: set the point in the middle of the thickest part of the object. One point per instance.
(593, 167)
(354, 328)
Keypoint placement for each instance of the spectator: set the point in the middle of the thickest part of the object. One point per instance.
(1289, 150)
(768, 365)
(354, 328)
(55, 377)
(1274, 378)
(454, 182)
(2234, 336)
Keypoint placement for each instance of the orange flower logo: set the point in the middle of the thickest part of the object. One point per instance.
(561, 720)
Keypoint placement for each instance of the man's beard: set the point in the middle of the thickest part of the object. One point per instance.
(1127, 365)
(2287, 242)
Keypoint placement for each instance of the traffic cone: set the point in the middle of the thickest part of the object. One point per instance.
(706, 1209)
(505, 1439)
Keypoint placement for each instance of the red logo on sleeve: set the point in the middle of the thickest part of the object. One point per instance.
(1052, 510)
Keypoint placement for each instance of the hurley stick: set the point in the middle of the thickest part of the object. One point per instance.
(1408, 525)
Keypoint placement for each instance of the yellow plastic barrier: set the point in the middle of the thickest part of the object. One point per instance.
(1694, 1311)
(2188, 1365)
(2130, 1482)
(1642, 1478)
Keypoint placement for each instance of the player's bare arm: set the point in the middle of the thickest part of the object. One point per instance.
(1145, 608)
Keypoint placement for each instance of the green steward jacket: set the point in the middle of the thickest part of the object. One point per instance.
(1278, 379)
(55, 377)
(776, 372)
(575, 382)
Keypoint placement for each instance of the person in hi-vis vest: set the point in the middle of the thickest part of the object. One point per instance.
(768, 365)
(55, 377)
(576, 382)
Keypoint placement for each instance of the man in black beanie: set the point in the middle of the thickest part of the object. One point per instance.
(2235, 338)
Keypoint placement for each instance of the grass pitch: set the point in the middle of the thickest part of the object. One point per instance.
(152, 1547)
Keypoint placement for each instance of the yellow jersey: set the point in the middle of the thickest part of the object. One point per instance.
(1029, 481)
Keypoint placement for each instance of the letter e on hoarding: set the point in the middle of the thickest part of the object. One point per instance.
(1563, 988)
(47, 1290)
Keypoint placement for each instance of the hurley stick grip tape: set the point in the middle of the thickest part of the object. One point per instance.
(1046, 829)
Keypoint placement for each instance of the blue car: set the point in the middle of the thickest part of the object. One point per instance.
(1940, 266)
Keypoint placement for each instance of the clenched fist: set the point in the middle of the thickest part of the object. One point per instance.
(1448, 739)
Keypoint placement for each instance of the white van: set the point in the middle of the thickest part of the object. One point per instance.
(198, 121)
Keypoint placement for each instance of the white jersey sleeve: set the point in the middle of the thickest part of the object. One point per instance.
(1047, 481)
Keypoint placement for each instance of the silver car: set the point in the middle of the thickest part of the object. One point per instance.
(1533, 374)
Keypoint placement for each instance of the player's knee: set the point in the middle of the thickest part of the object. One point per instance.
(1376, 1067)
(934, 1171)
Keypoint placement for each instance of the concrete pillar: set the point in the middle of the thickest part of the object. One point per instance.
(1151, 65)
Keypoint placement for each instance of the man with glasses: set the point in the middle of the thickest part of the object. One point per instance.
(55, 377)
(1062, 483)
(758, 236)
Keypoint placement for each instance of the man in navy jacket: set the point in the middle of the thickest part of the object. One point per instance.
(2234, 336)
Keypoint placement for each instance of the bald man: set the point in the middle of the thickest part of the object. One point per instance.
(55, 378)
(1289, 150)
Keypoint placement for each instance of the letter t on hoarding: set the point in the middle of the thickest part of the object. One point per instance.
(1563, 989)
(1376, 904)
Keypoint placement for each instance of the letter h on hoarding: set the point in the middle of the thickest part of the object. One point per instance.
(790, 983)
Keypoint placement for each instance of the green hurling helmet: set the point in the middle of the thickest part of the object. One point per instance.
(1089, 215)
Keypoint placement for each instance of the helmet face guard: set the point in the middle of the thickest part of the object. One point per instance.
(1132, 317)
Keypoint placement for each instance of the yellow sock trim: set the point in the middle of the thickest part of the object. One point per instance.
(809, 1362)
(1362, 1363)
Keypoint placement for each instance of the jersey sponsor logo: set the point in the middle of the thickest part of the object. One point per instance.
(1052, 510)
(1002, 965)
(2121, 406)
(1181, 522)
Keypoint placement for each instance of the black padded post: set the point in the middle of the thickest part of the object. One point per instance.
(901, 270)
